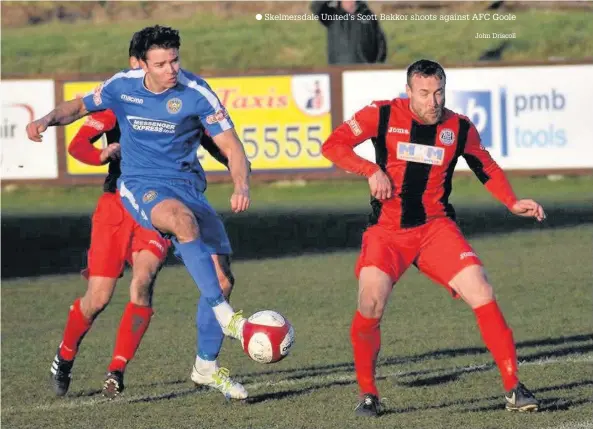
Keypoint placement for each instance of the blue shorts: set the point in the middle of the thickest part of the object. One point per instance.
(140, 196)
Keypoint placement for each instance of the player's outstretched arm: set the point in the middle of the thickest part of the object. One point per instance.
(229, 143)
(528, 208)
(64, 114)
(494, 179)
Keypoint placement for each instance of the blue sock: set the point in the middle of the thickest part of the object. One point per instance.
(198, 261)
(210, 334)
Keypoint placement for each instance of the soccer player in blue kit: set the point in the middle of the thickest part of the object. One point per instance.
(160, 108)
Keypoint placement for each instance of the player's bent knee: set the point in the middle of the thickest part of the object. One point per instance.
(97, 296)
(371, 307)
(94, 304)
(174, 217)
(473, 286)
(373, 292)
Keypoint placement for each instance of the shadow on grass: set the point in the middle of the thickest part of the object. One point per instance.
(40, 245)
(428, 377)
(317, 370)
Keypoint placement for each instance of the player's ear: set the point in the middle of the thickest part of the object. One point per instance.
(134, 63)
(143, 64)
(408, 91)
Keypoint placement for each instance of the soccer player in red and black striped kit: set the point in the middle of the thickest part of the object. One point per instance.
(116, 238)
(417, 143)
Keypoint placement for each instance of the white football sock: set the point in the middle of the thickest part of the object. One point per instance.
(205, 366)
(224, 313)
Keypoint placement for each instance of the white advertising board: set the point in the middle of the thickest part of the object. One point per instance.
(528, 117)
(23, 101)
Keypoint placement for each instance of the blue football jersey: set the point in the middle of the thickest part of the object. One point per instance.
(160, 133)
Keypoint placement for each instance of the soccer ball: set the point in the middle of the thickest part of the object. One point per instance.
(267, 337)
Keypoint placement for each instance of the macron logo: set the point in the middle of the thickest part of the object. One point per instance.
(131, 99)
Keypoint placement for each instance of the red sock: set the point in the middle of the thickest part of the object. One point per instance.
(76, 327)
(132, 327)
(498, 338)
(365, 335)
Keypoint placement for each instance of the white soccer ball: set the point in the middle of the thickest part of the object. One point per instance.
(267, 337)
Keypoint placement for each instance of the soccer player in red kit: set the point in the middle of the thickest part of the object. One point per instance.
(417, 143)
(116, 238)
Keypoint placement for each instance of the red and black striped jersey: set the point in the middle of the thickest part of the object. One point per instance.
(418, 158)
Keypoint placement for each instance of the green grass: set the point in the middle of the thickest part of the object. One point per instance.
(433, 369)
(349, 195)
(249, 44)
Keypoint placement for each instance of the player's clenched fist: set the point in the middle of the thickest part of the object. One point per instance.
(380, 184)
(35, 128)
(240, 200)
(111, 152)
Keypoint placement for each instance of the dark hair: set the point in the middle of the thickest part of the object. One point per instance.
(133, 49)
(155, 37)
(425, 68)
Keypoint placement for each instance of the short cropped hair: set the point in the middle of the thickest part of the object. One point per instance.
(426, 68)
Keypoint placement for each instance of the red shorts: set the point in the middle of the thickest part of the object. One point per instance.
(115, 236)
(437, 248)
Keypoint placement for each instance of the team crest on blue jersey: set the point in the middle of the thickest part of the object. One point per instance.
(149, 196)
(447, 137)
(174, 105)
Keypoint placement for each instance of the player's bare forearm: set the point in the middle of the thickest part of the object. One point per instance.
(231, 147)
(66, 113)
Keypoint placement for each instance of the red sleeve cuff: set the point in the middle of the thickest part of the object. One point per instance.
(86, 153)
(500, 187)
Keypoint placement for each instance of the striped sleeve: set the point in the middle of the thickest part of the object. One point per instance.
(487, 170)
(339, 146)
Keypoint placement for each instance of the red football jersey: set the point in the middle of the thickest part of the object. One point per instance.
(81, 148)
(419, 159)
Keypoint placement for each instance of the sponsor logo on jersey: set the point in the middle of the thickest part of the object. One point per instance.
(131, 99)
(420, 153)
(447, 137)
(97, 95)
(153, 125)
(398, 130)
(467, 255)
(149, 196)
(93, 123)
(174, 105)
(218, 116)
(354, 126)
(157, 244)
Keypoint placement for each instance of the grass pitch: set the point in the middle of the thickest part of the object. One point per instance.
(433, 371)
